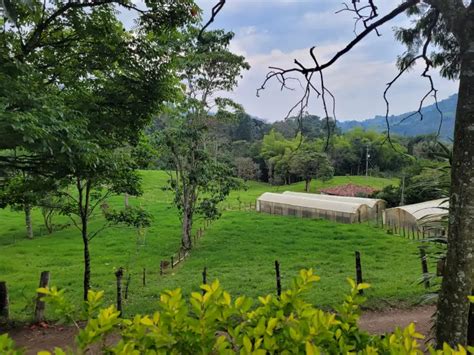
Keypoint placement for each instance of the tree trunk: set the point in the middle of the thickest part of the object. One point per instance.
(84, 200)
(307, 184)
(87, 259)
(453, 305)
(29, 224)
(126, 200)
(187, 228)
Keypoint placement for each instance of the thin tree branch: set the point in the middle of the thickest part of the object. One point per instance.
(215, 10)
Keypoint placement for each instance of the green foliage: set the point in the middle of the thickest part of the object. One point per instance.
(246, 169)
(447, 55)
(306, 163)
(199, 179)
(212, 322)
(7, 346)
(77, 90)
(63, 310)
(277, 152)
(131, 216)
(310, 127)
(391, 194)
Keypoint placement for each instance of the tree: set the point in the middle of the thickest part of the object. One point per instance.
(22, 192)
(246, 168)
(447, 27)
(198, 181)
(198, 178)
(276, 150)
(307, 164)
(107, 83)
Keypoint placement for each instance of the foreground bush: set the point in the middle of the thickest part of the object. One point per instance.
(214, 323)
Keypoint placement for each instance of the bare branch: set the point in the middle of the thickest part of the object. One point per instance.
(370, 28)
(360, 13)
(215, 10)
(432, 90)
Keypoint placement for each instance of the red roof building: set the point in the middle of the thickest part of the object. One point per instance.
(349, 190)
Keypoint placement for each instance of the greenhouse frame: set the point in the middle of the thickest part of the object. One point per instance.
(290, 205)
(375, 206)
(426, 217)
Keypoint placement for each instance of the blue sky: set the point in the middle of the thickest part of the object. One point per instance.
(275, 32)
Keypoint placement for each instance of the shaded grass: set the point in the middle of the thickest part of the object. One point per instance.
(239, 249)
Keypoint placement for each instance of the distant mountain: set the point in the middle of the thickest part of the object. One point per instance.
(413, 126)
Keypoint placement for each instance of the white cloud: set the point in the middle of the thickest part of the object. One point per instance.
(275, 32)
(356, 80)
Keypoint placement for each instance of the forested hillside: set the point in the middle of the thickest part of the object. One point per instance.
(410, 123)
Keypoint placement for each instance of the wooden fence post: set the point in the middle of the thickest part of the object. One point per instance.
(4, 304)
(119, 275)
(144, 277)
(161, 267)
(358, 264)
(172, 262)
(424, 267)
(204, 278)
(40, 305)
(278, 277)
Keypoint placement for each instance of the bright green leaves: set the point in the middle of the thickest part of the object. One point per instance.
(212, 323)
(99, 328)
(7, 346)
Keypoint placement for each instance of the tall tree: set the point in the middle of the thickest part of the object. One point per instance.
(307, 163)
(199, 180)
(447, 28)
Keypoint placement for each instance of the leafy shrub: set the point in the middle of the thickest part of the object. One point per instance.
(213, 323)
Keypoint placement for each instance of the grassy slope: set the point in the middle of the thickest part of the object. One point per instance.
(239, 249)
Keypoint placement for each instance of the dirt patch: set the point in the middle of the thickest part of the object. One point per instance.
(380, 322)
(36, 338)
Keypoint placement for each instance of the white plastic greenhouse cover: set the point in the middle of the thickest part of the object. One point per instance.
(298, 201)
(427, 209)
(370, 202)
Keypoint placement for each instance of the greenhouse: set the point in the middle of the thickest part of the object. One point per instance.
(291, 205)
(426, 217)
(375, 206)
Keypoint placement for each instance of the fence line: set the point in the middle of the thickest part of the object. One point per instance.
(182, 254)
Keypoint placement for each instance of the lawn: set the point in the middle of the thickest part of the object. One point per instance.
(239, 249)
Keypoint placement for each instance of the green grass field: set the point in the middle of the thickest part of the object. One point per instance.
(239, 249)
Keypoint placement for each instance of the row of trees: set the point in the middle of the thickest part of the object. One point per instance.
(86, 101)
(263, 151)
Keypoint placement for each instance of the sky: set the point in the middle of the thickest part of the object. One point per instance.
(275, 32)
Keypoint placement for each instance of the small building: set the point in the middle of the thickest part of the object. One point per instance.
(375, 206)
(425, 217)
(351, 190)
(290, 205)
